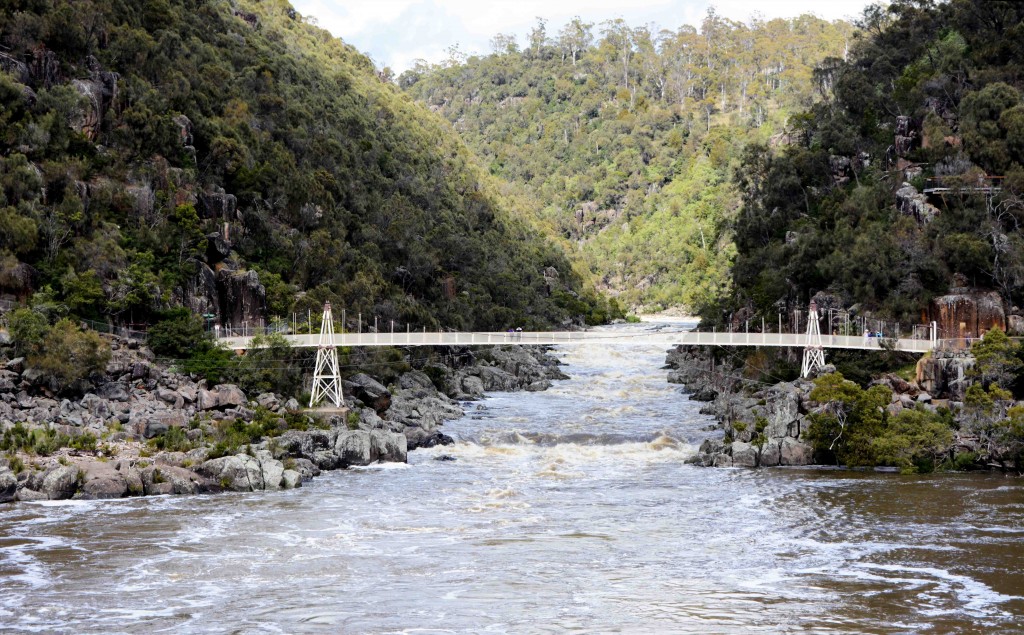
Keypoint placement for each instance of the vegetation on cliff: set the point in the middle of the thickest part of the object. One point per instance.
(622, 139)
(930, 97)
(232, 158)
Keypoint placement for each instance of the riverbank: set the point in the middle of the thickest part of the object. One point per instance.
(141, 428)
(923, 424)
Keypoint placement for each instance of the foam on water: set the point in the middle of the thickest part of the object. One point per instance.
(566, 510)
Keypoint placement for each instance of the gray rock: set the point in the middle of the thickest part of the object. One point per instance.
(390, 447)
(743, 454)
(924, 398)
(27, 495)
(704, 393)
(369, 391)
(188, 393)
(472, 387)
(8, 485)
(140, 371)
(268, 400)
(793, 452)
(306, 468)
(770, 454)
(32, 375)
(61, 482)
(170, 397)
(103, 480)
(16, 365)
(113, 391)
(290, 479)
(353, 447)
(229, 395)
(415, 379)
(241, 473)
(498, 379)
(722, 460)
(207, 400)
(326, 460)
(291, 405)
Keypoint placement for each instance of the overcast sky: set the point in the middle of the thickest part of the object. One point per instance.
(395, 33)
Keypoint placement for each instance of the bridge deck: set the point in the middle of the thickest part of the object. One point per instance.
(591, 338)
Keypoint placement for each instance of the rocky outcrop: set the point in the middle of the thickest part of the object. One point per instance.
(967, 313)
(245, 473)
(913, 203)
(945, 372)
(368, 391)
(363, 447)
(242, 298)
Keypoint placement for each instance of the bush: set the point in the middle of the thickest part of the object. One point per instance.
(855, 429)
(179, 335)
(28, 329)
(69, 354)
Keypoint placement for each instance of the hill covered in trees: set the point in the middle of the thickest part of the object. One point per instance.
(889, 192)
(231, 158)
(623, 140)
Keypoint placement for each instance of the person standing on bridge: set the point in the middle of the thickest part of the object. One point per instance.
(867, 335)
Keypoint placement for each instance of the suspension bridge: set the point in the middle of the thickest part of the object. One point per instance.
(327, 380)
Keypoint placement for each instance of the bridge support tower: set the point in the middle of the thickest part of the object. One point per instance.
(814, 354)
(326, 379)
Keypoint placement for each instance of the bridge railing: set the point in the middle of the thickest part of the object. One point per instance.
(664, 339)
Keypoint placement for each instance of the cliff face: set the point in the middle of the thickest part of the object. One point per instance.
(967, 313)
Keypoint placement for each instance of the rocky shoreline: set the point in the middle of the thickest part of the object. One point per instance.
(143, 429)
(766, 425)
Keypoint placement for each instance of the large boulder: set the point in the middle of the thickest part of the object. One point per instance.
(246, 473)
(353, 447)
(369, 391)
(743, 454)
(239, 472)
(61, 482)
(390, 447)
(220, 397)
(499, 379)
(8, 485)
(103, 480)
(415, 379)
(363, 447)
(793, 452)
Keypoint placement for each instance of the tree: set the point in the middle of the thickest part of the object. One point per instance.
(996, 360)
(179, 335)
(68, 354)
(28, 328)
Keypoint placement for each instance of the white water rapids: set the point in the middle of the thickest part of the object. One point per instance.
(570, 510)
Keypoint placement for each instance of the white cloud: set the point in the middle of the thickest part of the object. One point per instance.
(397, 32)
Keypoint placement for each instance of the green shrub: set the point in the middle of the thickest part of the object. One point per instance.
(68, 353)
(175, 439)
(179, 335)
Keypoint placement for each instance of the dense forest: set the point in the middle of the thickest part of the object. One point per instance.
(928, 102)
(231, 158)
(623, 140)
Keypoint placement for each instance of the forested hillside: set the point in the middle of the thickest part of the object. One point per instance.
(623, 139)
(234, 159)
(888, 194)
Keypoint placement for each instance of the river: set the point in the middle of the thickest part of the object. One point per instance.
(570, 510)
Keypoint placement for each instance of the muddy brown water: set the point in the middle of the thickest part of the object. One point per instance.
(565, 511)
